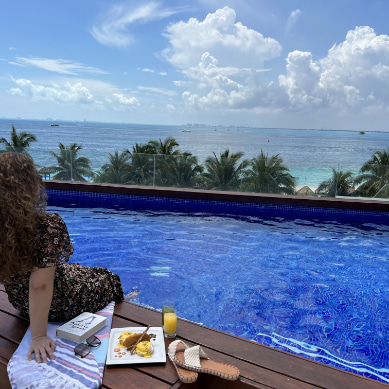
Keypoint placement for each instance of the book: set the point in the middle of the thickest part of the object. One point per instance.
(81, 327)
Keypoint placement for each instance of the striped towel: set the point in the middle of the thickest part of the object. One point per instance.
(67, 370)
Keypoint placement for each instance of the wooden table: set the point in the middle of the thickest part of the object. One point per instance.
(260, 366)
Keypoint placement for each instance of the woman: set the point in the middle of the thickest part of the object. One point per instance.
(34, 249)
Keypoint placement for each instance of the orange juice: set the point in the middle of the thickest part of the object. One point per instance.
(166, 309)
(170, 323)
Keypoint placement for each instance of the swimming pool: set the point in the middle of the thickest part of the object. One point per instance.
(316, 286)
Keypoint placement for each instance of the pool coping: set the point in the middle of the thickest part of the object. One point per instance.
(362, 204)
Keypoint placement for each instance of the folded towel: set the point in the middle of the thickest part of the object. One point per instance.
(67, 370)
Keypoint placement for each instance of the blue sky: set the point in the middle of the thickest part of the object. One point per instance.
(262, 63)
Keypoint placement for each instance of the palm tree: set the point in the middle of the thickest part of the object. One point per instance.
(224, 173)
(374, 174)
(147, 169)
(140, 148)
(339, 184)
(19, 141)
(269, 175)
(142, 164)
(165, 147)
(70, 167)
(181, 171)
(117, 171)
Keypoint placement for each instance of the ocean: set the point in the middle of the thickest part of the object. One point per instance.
(310, 155)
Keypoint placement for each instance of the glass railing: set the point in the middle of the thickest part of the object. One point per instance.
(263, 174)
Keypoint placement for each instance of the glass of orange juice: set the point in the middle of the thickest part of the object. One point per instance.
(169, 319)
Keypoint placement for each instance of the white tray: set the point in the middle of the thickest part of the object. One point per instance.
(158, 343)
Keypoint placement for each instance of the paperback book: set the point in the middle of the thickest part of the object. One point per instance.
(81, 327)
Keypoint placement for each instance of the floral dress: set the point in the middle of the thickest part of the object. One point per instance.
(77, 288)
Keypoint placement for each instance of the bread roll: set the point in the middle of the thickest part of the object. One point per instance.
(132, 339)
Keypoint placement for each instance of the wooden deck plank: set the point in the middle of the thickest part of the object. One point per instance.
(4, 381)
(123, 378)
(12, 328)
(7, 348)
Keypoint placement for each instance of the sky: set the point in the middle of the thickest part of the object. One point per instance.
(259, 63)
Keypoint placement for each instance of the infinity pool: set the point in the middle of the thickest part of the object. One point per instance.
(313, 287)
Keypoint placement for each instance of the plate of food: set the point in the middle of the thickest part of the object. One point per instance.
(125, 347)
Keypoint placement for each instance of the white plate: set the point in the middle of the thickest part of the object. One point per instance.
(158, 343)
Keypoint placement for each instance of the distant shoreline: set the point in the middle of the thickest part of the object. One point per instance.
(192, 126)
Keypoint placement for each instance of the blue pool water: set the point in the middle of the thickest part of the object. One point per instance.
(312, 286)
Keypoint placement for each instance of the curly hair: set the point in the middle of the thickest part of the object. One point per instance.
(22, 204)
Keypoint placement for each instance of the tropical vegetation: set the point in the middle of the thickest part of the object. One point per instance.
(117, 171)
(162, 163)
(340, 184)
(182, 171)
(224, 172)
(268, 174)
(70, 166)
(374, 175)
(19, 141)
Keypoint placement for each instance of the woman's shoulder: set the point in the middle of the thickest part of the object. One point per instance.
(48, 217)
(53, 243)
(51, 220)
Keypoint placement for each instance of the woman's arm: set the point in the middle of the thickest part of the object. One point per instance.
(40, 296)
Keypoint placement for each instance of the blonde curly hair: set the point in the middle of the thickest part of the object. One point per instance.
(22, 204)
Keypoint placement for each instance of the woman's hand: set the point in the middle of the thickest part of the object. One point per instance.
(43, 347)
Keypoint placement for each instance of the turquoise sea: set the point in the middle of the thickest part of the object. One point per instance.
(309, 154)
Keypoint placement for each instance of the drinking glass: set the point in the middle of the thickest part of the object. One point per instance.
(169, 319)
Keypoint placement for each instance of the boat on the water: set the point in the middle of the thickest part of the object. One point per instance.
(186, 130)
(362, 132)
(54, 125)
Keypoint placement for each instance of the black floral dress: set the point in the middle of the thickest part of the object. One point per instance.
(76, 288)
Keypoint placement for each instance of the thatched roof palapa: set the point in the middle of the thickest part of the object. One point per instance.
(305, 191)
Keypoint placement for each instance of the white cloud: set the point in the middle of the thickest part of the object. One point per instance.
(16, 91)
(119, 102)
(353, 76)
(113, 30)
(224, 63)
(302, 79)
(232, 43)
(227, 87)
(94, 94)
(147, 70)
(154, 90)
(179, 83)
(67, 93)
(292, 19)
(61, 66)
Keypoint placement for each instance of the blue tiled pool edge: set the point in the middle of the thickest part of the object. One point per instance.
(70, 198)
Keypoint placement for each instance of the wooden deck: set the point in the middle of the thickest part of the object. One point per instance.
(260, 366)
